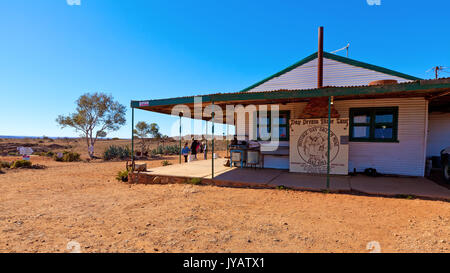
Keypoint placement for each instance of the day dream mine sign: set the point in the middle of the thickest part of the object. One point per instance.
(309, 145)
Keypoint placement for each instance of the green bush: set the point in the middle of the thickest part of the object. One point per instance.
(71, 157)
(21, 164)
(48, 154)
(194, 181)
(5, 164)
(122, 176)
(67, 157)
(166, 150)
(13, 153)
(166, 163)
(116, 152)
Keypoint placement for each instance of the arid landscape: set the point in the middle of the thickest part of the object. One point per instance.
(45, 209)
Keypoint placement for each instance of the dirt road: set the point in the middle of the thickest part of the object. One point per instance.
(43, 210)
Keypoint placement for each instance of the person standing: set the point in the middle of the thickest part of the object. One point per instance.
(205, 149)
(194, 146)
(185, 152)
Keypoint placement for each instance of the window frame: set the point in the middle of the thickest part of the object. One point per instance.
(372, 124)
(269, 116)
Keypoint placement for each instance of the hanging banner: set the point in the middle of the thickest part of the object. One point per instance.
(309, 145)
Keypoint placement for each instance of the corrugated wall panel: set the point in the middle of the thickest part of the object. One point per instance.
(438, 133)
(275, 161)
(407, 157)
(335, 74)
(404, 158)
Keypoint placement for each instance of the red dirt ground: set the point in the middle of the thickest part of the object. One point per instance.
(43, 210)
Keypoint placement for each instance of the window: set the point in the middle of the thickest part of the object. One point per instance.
(374, 124)
(265, 127)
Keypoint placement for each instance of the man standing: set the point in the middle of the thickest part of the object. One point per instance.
(194, 147)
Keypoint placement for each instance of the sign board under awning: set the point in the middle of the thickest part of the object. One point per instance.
(309, 143)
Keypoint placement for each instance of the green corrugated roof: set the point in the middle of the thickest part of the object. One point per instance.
(422, 85)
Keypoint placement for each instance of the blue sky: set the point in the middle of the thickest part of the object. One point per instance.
(51, 52)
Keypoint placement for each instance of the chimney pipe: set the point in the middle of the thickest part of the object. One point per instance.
(320, 60)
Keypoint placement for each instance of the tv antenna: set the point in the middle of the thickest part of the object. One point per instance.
(344, 48)
(437, 70)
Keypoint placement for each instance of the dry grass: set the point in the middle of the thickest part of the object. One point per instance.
(79, 145)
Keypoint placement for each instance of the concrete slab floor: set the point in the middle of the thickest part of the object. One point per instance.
(417, 186)
(198, 169)
(387, 186)
(251, 176)
(312, 182)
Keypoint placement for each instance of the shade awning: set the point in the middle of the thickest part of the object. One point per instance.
(422, 88)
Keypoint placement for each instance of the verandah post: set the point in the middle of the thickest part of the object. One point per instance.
(212, 144)
(329, 139)
(226, 137)
(206, 139)
(180, 138)
(132, 138)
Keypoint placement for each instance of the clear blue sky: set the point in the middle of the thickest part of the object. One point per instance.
(51, 52)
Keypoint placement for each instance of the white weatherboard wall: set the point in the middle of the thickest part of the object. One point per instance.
(407, 157)
(438, 133)
(335, 74)
(274, 162)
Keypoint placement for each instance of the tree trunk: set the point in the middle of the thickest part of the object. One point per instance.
(88, 147)
(91, 149)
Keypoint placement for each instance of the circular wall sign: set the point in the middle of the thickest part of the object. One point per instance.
(313, 148)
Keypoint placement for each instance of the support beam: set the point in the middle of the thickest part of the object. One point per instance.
(328, 144)
(132, 139)
(206, 138)
(212, 144)
(180, 138)
(228, 151)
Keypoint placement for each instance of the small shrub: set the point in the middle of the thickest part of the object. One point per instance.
(71, 157)
(5, 164)
(67, 157)
(166, 150)
(48, 154)
(281, 187)
(194, 181)
(21, 164)
(405, 196)
(115, 138)
(166, 163)
(13, 153)
(116, 152)
(122, 176)
(46, 138)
